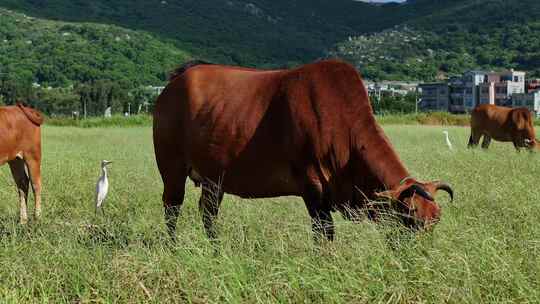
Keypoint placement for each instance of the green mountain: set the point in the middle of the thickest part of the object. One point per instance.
(245, 32)
(55, 53)
(449, 36)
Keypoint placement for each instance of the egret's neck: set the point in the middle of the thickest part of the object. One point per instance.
(104, 171)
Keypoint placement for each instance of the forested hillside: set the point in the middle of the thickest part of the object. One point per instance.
(450, 37)
(118, 47)
(55, 53)
(252, 32)
(453, 35)
(59, 66)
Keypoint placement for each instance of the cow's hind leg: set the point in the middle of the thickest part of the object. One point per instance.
(34, 170)
(17, 167)
(174, 180)
(321, 217)
(486, 141)
(209, 202)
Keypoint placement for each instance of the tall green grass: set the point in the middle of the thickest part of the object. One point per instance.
(422, 118)
(95, 122)
(425, 118)
(432, 118)
(484, 250)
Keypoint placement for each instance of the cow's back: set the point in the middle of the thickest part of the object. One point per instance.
(261, 129)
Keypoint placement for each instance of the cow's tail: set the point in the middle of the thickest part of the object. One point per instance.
(34, 116)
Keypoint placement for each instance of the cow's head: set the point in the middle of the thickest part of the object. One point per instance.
(533, 144)
(523, 121)
(414, 202)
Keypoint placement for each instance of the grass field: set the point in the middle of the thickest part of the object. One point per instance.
(485, 249)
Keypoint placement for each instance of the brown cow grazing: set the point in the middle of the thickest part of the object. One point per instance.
(307, 132)
(502, 124)
(20, 147)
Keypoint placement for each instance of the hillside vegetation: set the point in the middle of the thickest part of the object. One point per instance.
(245, 32)
(487, 34)
(130, 44)
(60, 54)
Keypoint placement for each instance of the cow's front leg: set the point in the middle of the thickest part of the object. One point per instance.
(321, 217)
(322, 224)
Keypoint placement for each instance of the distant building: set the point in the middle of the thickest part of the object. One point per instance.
(464, 93)
(155, 89)
(532, 85)
(487, 93)
(390, 88)
(434, 96)
(478, 87)
(529, 100)
(461, 94)
(498, 88)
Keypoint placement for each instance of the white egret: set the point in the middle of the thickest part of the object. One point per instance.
(448, 143)
(102, 186)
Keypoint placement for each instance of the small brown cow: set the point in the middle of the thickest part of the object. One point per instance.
(20, 147)
(502, 124)
(308, 132)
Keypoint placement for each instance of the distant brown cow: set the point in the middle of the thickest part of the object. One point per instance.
(20, 146)
(307, 132)
(502, 124)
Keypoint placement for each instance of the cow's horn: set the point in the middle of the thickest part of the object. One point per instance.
(446, 187)
(415, 189)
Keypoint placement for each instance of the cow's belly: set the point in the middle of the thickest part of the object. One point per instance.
(7, 155)
(252, 168)
(500, 136)
(496, 133)
(259, 180)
